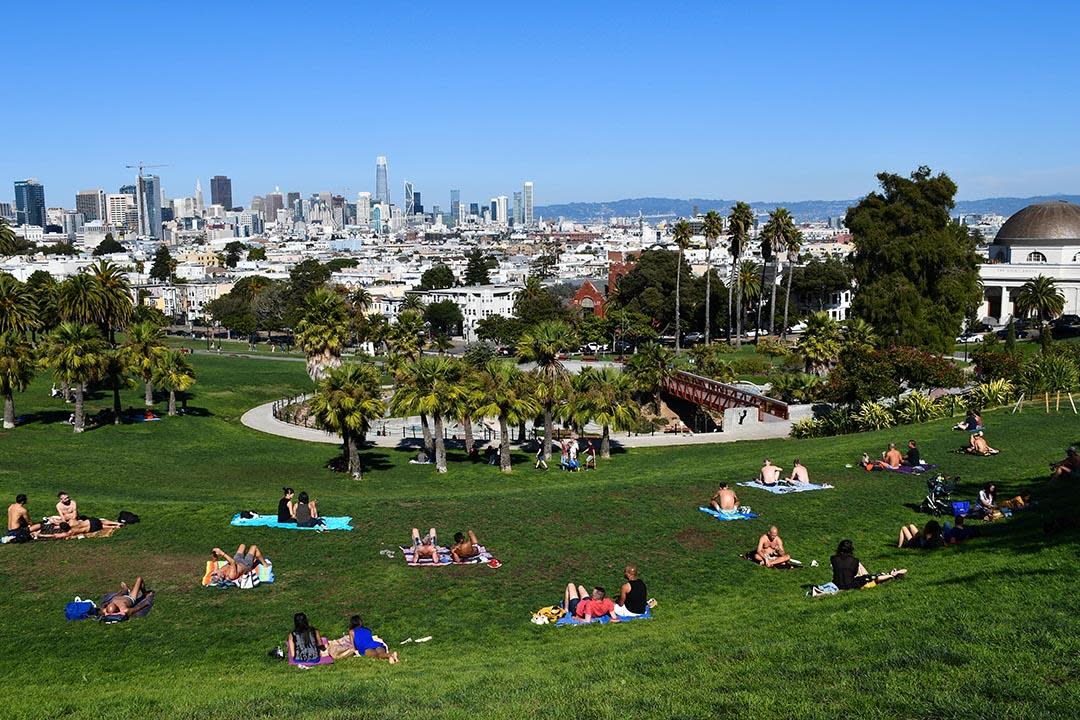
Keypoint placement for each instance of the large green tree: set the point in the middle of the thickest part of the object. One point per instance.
(347, 399)
(18, 306)
(143, 348)
(114, 295)
(604, 396)
(437, 277)
(1040, 297)
(444, 317)
(76, 353)
(778, 233)
(478, 267)
(713, 228)
(431, 387)
(17, 367)
(162, 267)
(505, 392)
(649, 288)
(740, 223)
(543, 346)
(175, 374)
(916, 270)
(323, 330)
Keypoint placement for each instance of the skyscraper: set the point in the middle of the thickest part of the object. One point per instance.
(528, 189)
(501, 210)
(417, 204)
(29, 203)
(294, 206)
(382, 188)
(410, 206)
(455, 205)
(148, 199)
(519, 211)
(117, 208)
(199, 207)
(91, 203)
(363, 208)
(274, 201)
(221, 191)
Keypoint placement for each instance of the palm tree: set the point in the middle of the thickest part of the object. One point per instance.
(323, 331)
(9, 242)
(43, 288)
(713, 229)
(405, 338)
(820, 343)
(115, 374)
(143, 350)
(18, 306)
(76, 352)
(606, 397)
(648, 368)
(542, 345)
(175, 374)
(1041, 297)
(114, 296)
(740, 222)
(16, 371)
(860, 335)
(430, 386)
(750, 285)
(360, 299)
(791, 250)
(414, 303)
(778, 232)
(79, 299)
(346, 400)
(682, 235)
(503, 392)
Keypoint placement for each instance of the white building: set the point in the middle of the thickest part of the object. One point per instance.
(476, 302)
(1042, 239)
(528, 191)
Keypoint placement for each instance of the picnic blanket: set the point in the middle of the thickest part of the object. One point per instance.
(148, 598)
(483, 557)
(263, 573)
(732, 515)
(271, 521)
(785, 489)
(568, 620)
(905, 469)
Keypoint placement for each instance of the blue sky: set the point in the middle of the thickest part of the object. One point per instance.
(591, 101)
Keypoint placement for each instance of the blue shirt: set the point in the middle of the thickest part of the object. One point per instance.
(363, 640)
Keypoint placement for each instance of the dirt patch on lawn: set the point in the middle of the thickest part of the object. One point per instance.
(695, 540)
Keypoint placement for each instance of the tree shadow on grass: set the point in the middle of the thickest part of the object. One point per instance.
(372, 459)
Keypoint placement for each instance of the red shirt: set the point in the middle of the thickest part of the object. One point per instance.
(595, 608)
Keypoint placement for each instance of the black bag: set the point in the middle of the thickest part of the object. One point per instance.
(128, 518)
(22, 535)
(248, 514)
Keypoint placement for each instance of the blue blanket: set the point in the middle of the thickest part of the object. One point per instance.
(733, 515)
(332, 523)
(786, 489)
(567, 620)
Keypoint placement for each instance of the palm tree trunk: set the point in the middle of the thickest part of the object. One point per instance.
(65, 389)
(352, 455)
(79, 421)
(521, 432)
(9, 411)
(708, 297)
(738, 311)
(172, 403)
(605, 442)
(148, 397)
(678, 283)
(504, 445)
(466, 423)
(730, 307)
(427, 433)
(549, 430)
(772, 298)
(761, 301)
(440, 444)
(116, 408)
(787, 297)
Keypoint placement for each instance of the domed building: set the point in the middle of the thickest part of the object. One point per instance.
(1041, 239)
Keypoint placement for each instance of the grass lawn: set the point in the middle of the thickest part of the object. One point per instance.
(987, 629)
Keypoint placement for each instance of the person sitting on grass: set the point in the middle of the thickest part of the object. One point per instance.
(240, 564)
(588, 607)
(66, 509)
(367, 644)
(724, 500)
(590, 455)
(959, 532)
(286, 508)
(891, 458)
(972, 421)
(306, 646)
(19, 527)
(799, 474)
(633, 595)
(426, 546)
(770, 549)
(913, 457)
(931, 536)
(79, 527)
(307, 512)
(977, 445)
(849, 574)
(1069, 466)
(128, 601)
(464, 548)
(770, 474)
(988, 499)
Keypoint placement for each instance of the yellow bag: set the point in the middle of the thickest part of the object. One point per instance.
(548, 615)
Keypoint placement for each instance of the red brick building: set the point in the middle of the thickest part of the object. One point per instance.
(588, 300)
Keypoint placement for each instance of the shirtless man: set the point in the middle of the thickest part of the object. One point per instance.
(890, 459)
(66, 509)
(464, 547)
(977, 445)
(1070, 465)
(238, 565)
(127, 601)
(19, 528)
(78, 527)
(426, 546)
(799, 473)
(770, 474)
(725, 499)
(770, 549)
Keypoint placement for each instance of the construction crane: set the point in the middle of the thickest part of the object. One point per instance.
(140, 166)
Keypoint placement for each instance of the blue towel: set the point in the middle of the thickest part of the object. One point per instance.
(567, 620)
(733, 515)
(785, 489)
(332, 523)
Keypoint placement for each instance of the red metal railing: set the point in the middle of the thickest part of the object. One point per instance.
(717, 396)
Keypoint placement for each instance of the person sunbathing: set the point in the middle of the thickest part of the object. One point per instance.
(464, 547)
(770, 549)
(850, 574)
(724, 499)
(586, 606)
(977, 445)
(367, 643)
(972, 422)
(66, 509)
(799, 473)
(19, 527)
(240, 564)
(79, 527)
(770, 474)
(128, 601)
(931, 536)
(891, 459)
(1069, 466)
(426, 546)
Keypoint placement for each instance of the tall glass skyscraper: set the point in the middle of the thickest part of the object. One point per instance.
(519, 211)
(528, 190)
(221, 191)
(29, 203)
(148, 199)
(455, 205)
(410, 206)
(382, 188)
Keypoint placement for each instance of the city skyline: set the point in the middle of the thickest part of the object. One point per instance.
(634, 104)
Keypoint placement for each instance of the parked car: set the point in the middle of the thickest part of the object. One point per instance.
(970, 338)
(797, 328)
(1065, 320)
(593, 348)
(1004, 333)
(507, 351)
(693, 338)
(623, 346)
(755, 333)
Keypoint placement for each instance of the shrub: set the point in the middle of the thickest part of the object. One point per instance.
(808, 428)
(996, 364)
(991, 394)
(795, 387)
(873, 416)
(838, 422)
(917, 407)
(750, 365)
(771, 348)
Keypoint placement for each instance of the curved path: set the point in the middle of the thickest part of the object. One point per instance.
(262, 418)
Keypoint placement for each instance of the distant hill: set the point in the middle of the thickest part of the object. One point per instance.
(803, 210)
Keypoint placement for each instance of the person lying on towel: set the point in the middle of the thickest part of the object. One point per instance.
(770, 549)
(724, 500)
(79, 527)
(426, 546)
(770, 474)
(464, 547)
(240, 564)
(585, 606)
(128, 601)
(359, 640)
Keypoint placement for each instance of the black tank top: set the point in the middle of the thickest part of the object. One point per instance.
(283, 515)
(637, 597)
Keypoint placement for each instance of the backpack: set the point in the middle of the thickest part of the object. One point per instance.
(548, 615)
(128, 518)
(79, 609)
